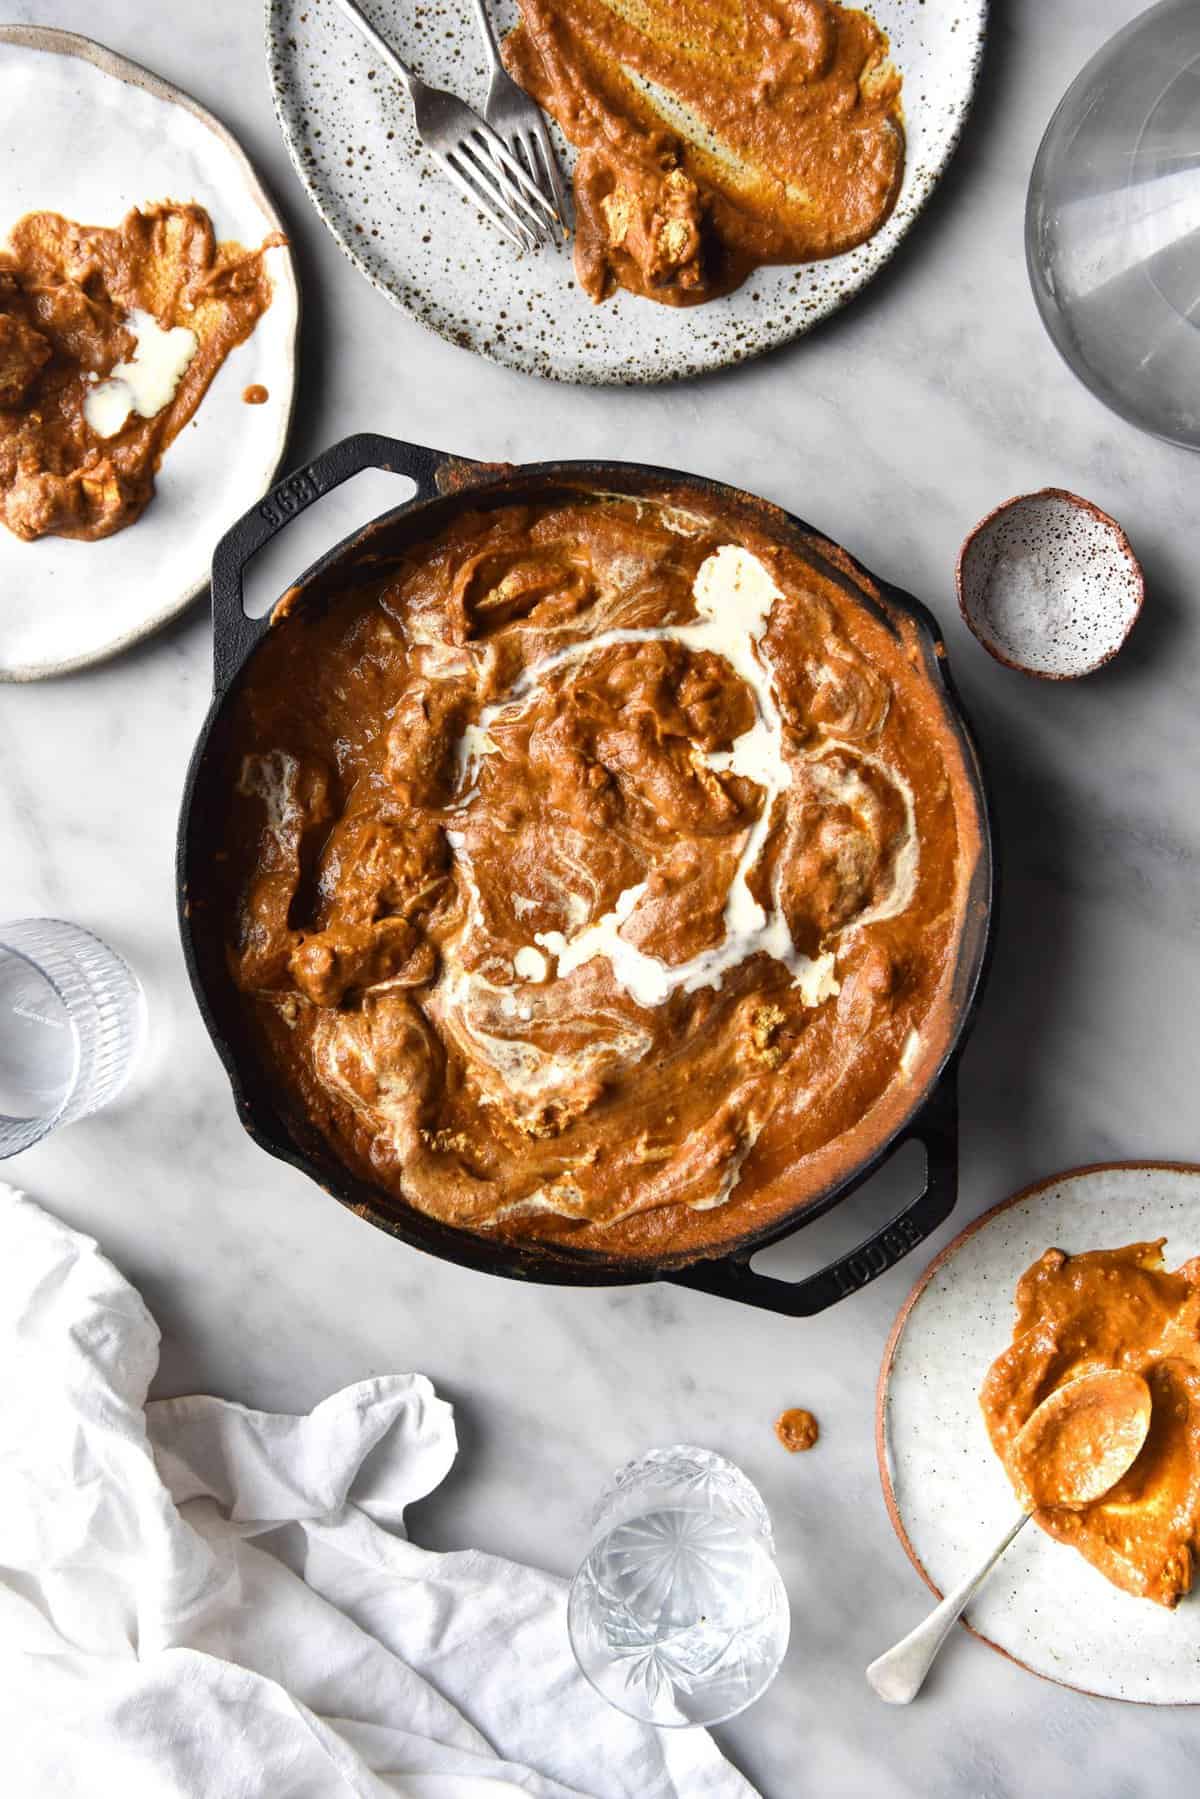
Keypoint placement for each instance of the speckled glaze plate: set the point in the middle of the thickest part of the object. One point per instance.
(947, 1494)
(349, 129)
(88, 134)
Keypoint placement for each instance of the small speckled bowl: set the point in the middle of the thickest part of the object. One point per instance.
(1050, 585)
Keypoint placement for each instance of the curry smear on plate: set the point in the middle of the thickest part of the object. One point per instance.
(797, 1429)
(714, 136)
(109, 339)
(1118, 1308)
(595, 871)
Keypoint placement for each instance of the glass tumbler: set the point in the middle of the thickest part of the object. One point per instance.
(1112, 224)
(679, 1615)
(71, 1023)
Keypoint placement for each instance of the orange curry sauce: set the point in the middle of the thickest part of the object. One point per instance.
(714, 135)
(485, 797)
(66, 295)
(1118, 1308)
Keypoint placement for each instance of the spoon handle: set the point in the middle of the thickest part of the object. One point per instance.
(899, 1674)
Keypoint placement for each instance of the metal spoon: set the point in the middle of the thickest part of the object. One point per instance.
(1069, 1452)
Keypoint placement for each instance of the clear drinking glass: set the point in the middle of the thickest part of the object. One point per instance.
(1112, 224)
(679, 1615)
(72, 1020)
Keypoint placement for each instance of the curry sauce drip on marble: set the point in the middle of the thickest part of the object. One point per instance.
(72, 298)
(714, 135)
(1119, 1308)
(596, 872)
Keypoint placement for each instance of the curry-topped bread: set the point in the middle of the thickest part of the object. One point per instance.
(714, 135)
(595, 871)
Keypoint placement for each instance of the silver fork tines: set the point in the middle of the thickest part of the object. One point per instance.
(528, 190)
(519, 122)
(467, 177)
(468, 151)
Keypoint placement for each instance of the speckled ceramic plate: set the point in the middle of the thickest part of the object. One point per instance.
(349, 130)
(85, 133)
(948, 1496)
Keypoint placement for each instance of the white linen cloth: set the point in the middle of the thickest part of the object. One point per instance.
(198, 1601)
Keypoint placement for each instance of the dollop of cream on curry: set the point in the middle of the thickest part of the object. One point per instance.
(714, 136)
(109, 340)
(1116, 1308)
(595, 872)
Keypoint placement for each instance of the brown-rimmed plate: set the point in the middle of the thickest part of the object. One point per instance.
(948, 1497)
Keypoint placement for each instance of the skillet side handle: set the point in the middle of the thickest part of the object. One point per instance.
(733, 1278)
(234, 634)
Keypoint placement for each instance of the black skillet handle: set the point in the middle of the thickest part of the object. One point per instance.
(733, 1278)
(235, 635)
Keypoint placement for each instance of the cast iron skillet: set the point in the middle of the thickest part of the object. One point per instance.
(443, 485)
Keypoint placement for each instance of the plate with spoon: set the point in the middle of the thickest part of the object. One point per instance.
(760, 181)
(1108, 1451)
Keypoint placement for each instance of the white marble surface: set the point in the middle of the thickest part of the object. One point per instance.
(894, 428)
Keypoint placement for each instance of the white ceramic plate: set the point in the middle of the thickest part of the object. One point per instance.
(87, 134)
(948, 1496)
(349, 130)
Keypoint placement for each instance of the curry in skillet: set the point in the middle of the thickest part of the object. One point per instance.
(595, 872)
(714, 135)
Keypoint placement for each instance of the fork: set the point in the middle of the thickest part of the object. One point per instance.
(518, 119)
(467, 150)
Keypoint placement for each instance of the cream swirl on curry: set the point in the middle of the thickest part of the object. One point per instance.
(595, 869)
